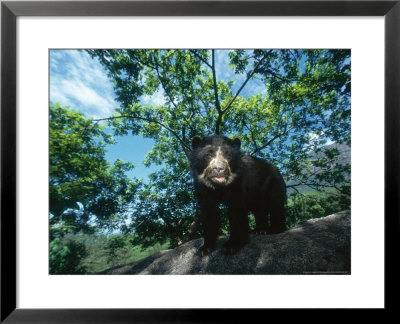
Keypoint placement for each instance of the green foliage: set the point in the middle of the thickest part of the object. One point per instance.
(66, 258)
(114, 245)
(164, 209)
(301, 104)
(98, 253)
(301, 207)
(86, 192)
(305, 104)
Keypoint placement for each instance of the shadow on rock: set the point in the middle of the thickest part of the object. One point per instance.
(317, 246)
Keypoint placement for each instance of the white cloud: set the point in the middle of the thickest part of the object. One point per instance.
(94, 103)
(156, 99)
(314, 137)
(252, 88)
(222, 70)
(81, 82)
(78, 81)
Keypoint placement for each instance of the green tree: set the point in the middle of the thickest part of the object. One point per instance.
(86, 192)
(305, 104)
(66, 258)
(115, 246)
(315, 204)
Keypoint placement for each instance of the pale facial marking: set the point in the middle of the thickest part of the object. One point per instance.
(218, 157)
(227, 178)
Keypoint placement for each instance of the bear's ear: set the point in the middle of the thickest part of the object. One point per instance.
(196, 141)
(236, 142)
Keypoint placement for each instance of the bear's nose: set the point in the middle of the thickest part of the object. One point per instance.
(218, 166)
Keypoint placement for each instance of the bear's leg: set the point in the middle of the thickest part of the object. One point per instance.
(261, 218)
(277, 217)
(275, 204)
(239, 225)
(210, 218)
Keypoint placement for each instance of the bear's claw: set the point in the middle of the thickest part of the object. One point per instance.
(260, 231)
(203, 251)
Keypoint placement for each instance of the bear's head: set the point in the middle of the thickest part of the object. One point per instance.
(215, 160)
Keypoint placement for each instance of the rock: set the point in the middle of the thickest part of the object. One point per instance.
(316, 246)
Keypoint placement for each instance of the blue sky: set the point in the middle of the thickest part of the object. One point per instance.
(79, 81)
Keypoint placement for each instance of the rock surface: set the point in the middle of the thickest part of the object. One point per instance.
(317, 246)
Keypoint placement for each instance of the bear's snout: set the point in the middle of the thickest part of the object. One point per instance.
(218, 167)
(219, 171)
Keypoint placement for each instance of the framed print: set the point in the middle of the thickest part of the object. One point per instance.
(44, 42)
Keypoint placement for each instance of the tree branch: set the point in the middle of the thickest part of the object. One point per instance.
(311, 185)
(164, 86)
(279, 77)
(201, 58)
(249, 76)
(286, 131)
(186, 149)
(217, 104)
(251, 135)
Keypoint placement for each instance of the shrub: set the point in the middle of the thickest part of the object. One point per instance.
(65, 258)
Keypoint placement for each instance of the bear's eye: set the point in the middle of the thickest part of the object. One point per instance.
(209, 153)
(226, 153)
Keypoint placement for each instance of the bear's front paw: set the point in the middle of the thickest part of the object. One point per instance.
(260, 231)
(205, 250)
(230, 247)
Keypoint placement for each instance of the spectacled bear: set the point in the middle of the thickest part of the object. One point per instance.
(223, 174)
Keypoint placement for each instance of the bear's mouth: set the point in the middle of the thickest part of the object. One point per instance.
(219, 179)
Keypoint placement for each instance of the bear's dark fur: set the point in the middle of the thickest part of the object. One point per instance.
(223, 174)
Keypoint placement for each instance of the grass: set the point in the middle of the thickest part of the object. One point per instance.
(100, 256)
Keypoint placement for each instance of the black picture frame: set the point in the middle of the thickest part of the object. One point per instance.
(10, 10)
